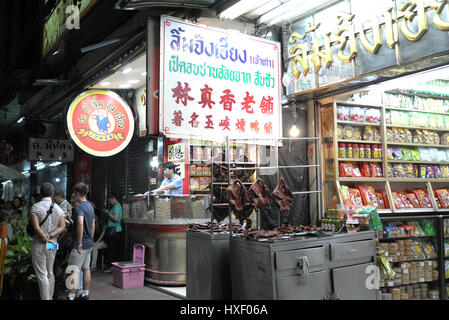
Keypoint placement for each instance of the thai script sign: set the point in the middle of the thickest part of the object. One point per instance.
(393, 35)
(50, 150)
(217, 83)
(100, 122)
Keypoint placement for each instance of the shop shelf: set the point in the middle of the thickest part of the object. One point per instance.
(418, 162)
(415, 127)
(415, 110)
(411, 283)
(359, 104)
(359, 160)
(405, 238)
(419, 145)
(355, 123)
(359, 141)
(351, 179)
(416, 180)
(418, 94)
(416, 210)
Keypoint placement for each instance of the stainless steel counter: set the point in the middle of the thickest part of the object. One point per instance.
(303, 269)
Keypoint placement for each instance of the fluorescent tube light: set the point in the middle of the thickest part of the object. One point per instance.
(238, 9)
(55, 164)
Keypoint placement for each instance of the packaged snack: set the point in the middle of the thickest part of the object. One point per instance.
(414, 154)
(385, 199)
(355, 198)
(356, 171)
(407, 203)
(398, 171)
(445, 137)
(397, 201)
(357, 133)
(428, 249)
(408, 136)
(372, 115)
(344, 192)
(380, 201)
(357, 114)
(408, 171)
(348, 132)
(438, 174)
(413, 200)
(397, 154)
(428, 227)
(443, 197)
(441, 155)
(346, 169)
(193, 169)
(368, 133)
(406, 154)
(430, 174)
(376, 171)
(389, 135)
(390, 171)
(366, 169)
(343, 113)
(445, 171)
(390, 153)
(423, 198)
(388, 117)
(368, 194)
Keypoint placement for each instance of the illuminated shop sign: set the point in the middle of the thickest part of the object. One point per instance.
(217, 83)
(100, 122)
(393, 36)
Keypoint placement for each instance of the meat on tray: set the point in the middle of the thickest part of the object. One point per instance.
(237, 196)
(282, 196)
(259, 195)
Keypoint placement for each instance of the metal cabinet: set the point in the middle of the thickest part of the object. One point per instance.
(303, 269)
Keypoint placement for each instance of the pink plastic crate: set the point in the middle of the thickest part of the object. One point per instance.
(130, 274)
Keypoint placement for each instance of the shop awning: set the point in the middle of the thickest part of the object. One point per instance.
(9, 174)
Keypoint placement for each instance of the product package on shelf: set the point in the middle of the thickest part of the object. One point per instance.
(443, 197)
(417, 198)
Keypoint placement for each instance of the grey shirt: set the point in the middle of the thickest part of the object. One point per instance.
(84, 209)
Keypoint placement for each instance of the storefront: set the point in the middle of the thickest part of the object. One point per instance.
(383, 141)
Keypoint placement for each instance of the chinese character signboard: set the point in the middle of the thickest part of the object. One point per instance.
(216, 83)
(100, 122)
(50, 150)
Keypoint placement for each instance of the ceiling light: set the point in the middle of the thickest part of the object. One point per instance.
(133, 81)
(238, 9)
(127, 70)
(55, 164)
(144, 73)
(125, 86)
(105, 83)
(292, 9)
(57, 179)
(40, 166)
(25, 172)
(20, 120)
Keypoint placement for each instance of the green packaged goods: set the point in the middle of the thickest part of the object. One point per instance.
(428, 227)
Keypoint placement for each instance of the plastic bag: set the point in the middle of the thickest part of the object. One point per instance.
(428, 227)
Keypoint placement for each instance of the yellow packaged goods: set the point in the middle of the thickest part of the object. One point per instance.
(339, 132)
(348, 132)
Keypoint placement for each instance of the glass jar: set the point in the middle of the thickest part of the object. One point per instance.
(356, 151)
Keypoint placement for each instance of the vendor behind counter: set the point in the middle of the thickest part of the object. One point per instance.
(172, 182)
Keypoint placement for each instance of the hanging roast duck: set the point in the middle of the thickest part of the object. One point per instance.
(282, 196)
(237, 196)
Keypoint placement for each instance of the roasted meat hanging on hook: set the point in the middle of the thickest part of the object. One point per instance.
(259, 195)
(238, 199)
(282, 196)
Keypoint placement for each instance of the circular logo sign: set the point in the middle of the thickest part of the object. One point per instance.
(100, 122)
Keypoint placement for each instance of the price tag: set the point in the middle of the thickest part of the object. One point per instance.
(421, 279)
(421, 264)
(386, 253)
(390, 283)
(404, 271)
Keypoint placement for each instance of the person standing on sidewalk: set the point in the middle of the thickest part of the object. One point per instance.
(113, 234)
(43, 250)
(84, 227)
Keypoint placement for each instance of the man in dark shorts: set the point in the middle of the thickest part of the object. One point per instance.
(84, 227)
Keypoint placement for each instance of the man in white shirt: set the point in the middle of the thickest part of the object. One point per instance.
(42, 252)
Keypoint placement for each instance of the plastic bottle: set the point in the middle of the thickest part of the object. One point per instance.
(362, 151)
(367, 151)
(356, 151)
(349, 151)
(341, 150)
